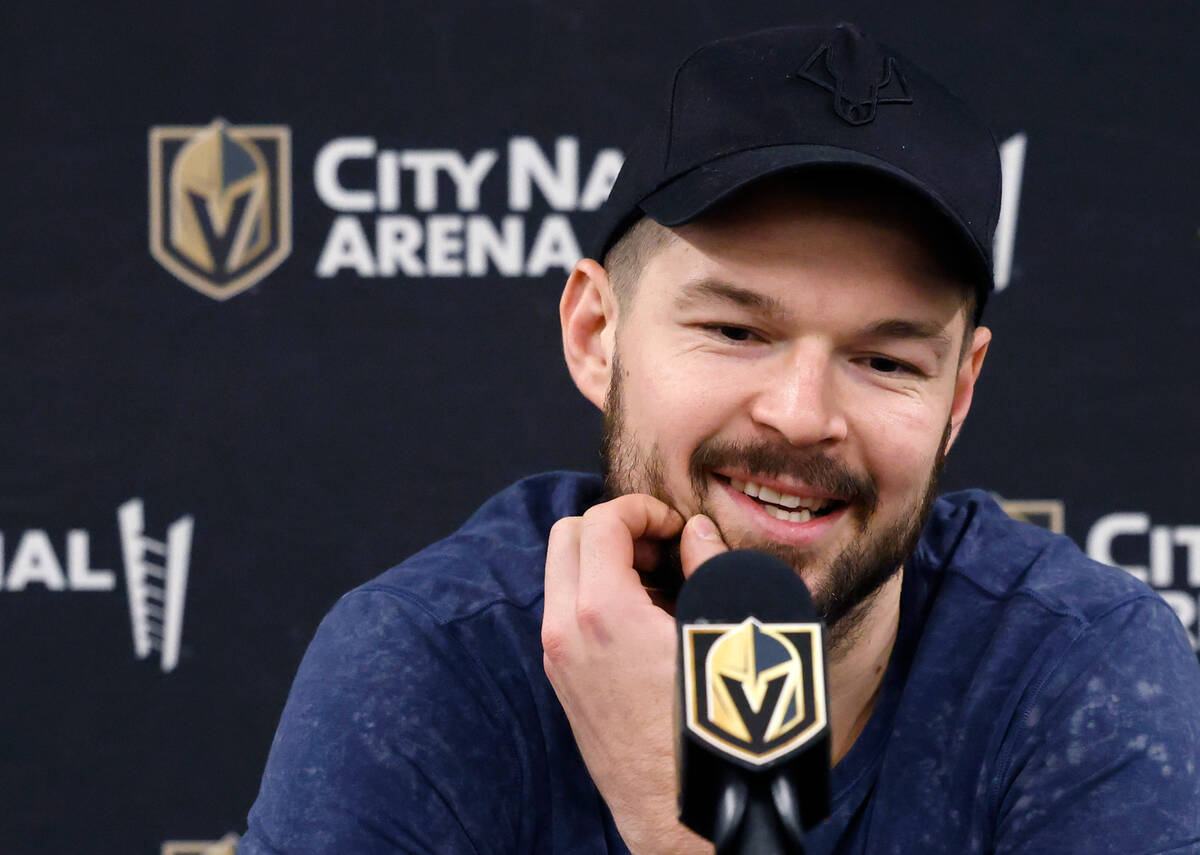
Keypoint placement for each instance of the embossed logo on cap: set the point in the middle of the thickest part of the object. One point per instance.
(858, 74)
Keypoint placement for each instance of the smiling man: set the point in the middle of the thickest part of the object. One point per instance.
(784, 338)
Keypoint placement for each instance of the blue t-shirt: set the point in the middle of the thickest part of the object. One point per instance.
(1034, 702)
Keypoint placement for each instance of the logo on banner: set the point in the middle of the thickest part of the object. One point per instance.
(227, 845)
(155, 583)
(445, 212)
(156, 573)
(1166, 557)
(220, 203)
(1048, 513)
(1012, 171)
(753, 690)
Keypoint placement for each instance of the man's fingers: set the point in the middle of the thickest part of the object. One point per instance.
(562, 583)
(641, 514)
(646, 555)
(606, 548)
(700, 541)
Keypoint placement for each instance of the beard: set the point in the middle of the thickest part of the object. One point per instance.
(847, 583)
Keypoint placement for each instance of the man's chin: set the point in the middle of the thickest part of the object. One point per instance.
(841, 584)
(807, 565)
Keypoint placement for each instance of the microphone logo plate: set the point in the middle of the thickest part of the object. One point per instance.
(754, 691)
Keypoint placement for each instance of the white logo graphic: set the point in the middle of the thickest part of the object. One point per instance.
(155, 583)
(156, 574)
(1012, 168)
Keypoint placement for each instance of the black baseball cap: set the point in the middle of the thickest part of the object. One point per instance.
(790, 98)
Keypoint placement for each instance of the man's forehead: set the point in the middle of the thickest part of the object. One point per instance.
(764, 254)
(790, 225)
(773, 204)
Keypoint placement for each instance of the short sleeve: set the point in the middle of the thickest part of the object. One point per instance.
(393, 739)
(1104, 757)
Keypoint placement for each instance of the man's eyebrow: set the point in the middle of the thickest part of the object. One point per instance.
(903, 328)
(710, 289)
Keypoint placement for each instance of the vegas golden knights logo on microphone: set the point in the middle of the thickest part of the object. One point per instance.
(220, 203)
(755, 691)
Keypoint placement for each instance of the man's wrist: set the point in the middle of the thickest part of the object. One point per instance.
(676, 839)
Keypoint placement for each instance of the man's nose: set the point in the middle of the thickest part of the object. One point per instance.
(800, 399)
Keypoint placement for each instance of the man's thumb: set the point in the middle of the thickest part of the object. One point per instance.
(699, 542)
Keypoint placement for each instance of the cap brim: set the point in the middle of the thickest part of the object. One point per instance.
(698, 190)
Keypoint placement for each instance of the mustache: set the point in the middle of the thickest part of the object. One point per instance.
(811, 466)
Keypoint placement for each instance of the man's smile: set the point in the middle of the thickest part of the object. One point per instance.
(799, 503)
(787, 514)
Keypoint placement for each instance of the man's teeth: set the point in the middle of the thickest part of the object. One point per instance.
(801, 516)
(808, 506)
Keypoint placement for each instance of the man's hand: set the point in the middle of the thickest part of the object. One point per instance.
(610, 655)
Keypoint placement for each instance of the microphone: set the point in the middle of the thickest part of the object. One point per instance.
(752, 731)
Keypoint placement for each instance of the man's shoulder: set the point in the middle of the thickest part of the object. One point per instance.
(496, 557)
(971, 538)
(1045, 698)
(416, 681)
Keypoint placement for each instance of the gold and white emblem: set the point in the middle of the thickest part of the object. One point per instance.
(755, 691)
(220, 203)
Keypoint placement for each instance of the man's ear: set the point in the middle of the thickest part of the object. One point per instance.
(964, 384)
(588, 313)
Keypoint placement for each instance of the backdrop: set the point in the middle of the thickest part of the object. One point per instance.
(280, 308)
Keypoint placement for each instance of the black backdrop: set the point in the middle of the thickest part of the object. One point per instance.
(312, 430)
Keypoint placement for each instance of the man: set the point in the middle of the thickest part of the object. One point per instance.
(784, 339)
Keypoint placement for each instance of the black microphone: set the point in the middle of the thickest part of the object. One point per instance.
(753, 710)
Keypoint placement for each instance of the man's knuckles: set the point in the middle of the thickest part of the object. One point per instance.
(556, 641)
(564, 530)
(589, 620)
(592, 619)
(606, 518)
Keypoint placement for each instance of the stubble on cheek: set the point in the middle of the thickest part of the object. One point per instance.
(628, 470)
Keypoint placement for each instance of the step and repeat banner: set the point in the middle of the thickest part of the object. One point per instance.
(280, 308)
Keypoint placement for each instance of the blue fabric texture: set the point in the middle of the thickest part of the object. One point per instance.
(1035, 702)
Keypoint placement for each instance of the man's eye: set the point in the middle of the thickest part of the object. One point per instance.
(888, 366)
(733, 333)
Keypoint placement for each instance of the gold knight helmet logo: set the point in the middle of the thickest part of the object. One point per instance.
(754, 690)
(220, 203)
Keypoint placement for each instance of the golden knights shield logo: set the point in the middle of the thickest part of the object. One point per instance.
(220, 203)
(1048, 513)
(755, 691)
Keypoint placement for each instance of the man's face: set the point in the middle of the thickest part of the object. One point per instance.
(789, 368)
